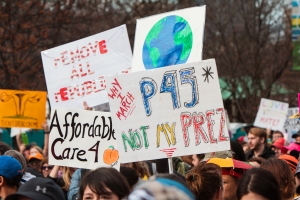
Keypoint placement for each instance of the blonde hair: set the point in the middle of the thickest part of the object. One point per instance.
(67, 178)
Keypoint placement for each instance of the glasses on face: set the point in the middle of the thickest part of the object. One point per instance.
(49, 167)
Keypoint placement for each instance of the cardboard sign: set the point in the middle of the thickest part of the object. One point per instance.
(167, 112)
(23, 109)
(82, 139)
(292, 126)
(169, 39)
(271, 114)
(16, 131)
(75, 71)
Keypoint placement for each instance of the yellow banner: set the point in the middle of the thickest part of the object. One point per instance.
(24, 109)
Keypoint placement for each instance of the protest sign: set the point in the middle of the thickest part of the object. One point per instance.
(16, 131)
(23, 109)
(167, 112)
(169, 39)
(75, 71)
(82, 139)
(292, 126)
(271, 114)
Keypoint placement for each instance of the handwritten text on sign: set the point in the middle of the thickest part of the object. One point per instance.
(82, 139)
(75, 71)
(171, 111)
(271, 114)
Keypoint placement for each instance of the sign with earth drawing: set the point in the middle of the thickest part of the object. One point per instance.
(23, 109)
(172, 111)
(82, 139)
(169, 39)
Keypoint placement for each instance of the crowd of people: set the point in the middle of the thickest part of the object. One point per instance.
(264, 167)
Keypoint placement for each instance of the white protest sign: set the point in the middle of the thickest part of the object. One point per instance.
(271, 114)
(169, 39)
(292, 126)
(75, 71)
(82, 139)
(16, 131)
(167, 112)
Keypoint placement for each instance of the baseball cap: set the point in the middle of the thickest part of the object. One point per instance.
(10, 167)
(39, 188)
(292, 146)
(296, 135)
(219, 154)
(36, 156)
(279, 142)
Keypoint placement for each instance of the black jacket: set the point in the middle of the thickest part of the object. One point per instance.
(267, 153)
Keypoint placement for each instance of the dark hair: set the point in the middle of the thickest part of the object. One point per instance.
(162, 165)
(205, 180)
(13, 182)
(4, 148)
(259, 160)
(259, 181)
(294, 153)
(276, 132)
(130, 175)
(175, 177)
(200, 156)
(100, 178)
(238, 150)
(283, 174)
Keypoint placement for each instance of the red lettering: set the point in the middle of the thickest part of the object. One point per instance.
(186, 121)
(222, 124)
(198, 121)
(63, 94)
(210, 124)
(102, 47)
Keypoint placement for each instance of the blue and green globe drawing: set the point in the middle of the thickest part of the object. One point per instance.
(169, 42)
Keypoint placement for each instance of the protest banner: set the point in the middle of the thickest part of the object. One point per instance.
(271, 114)
(82, 139)
(23, 109)
(169, 39)
(167, 112)
(75, 71)
(292, 126)
(16, 131)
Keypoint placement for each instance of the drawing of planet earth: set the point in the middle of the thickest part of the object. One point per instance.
(169, 42)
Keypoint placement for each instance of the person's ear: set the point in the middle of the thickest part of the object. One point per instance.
(1, 181)
(262, 140)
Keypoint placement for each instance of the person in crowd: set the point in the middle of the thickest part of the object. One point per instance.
(46, 168)
(231, 178)
(26, 175)
(10, 175)
(205, 181)
(283, 175)
(295, 154)
(296, 136)
(297, 181)
(256, 161)
(276, 135)
(257, 144)
(38, 189)
(237, 151)
(141, 169)
(35, 164)
(3, 148)
(197, 158)
(64, 181)
(130, 175)
(291, 161)
(292, 146)
(35, 149)
(103, 183)
(277, 145)
(258, 184)
(162, 186)
(75, 183)
(187, 159)
(179, 166)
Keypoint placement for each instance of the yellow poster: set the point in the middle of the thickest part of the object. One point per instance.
(24, 109)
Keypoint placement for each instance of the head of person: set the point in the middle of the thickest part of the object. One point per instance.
(297, 179)
(238, 151)
(296, 136)
(165, 186)
(10, 175)
(35, 161)
(19, 157)
(283, 174)
(256, 161)
(258, 184)
(103, 182)
(197, 158)
(256, 138)
(4, 147)
(35, 149)
(292, 146)
(231, 179)
(130, 175)
(291, 161)
(37, 189)
(277, 145)
(46, 168)
(205, 181)
(276, 135)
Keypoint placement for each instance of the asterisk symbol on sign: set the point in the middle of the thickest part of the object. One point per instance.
(207, 74)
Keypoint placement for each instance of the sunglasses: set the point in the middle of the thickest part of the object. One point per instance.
(50, 167)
